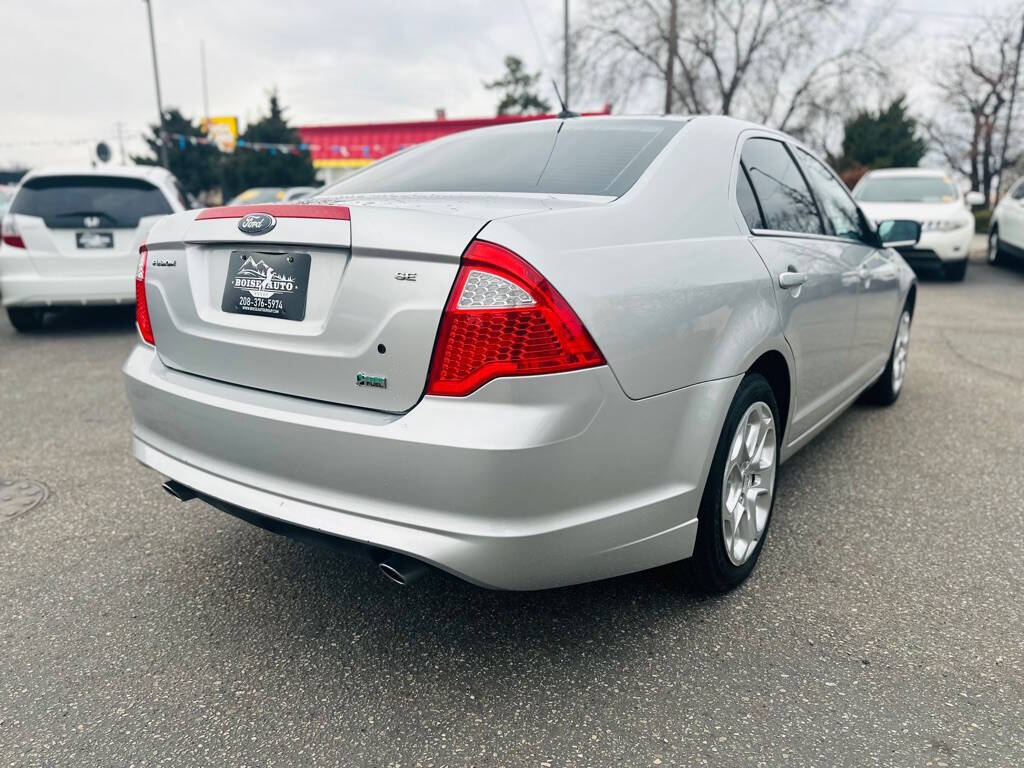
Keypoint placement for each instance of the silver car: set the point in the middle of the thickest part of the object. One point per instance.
(531, 355)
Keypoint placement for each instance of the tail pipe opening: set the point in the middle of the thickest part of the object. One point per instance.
(403, 570)
(179, 491)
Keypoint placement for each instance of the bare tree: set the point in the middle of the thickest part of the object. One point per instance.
(975, 86)
(793, 64)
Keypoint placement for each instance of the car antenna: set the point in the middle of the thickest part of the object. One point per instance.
(566, 112)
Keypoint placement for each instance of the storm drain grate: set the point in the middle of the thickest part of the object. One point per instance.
(19, 496)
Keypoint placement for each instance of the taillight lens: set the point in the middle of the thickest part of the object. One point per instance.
(141, 307)
(504, 319)
(9, 232)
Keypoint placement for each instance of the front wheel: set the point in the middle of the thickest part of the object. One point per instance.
(890, 383)
(995, 248)
(25, 318)
(740, 491)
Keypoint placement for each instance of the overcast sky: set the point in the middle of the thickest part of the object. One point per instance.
(73, 70)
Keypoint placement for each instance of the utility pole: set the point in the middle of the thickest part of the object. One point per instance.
(156, 79)
(1009, 112)
(565, 52)
(120, 140)
(206, 96)
(673, 44)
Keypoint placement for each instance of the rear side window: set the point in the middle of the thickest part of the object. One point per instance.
(837, 207)
(1018, 193)
(746, 200)
(786, 201)
(583, 156)
(66, 201)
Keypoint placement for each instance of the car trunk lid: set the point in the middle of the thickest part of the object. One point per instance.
(379, 273)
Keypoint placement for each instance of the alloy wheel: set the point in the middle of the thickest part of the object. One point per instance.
(900, 349)
(749, 482)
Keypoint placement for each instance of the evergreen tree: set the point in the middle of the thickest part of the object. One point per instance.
(887, 139)
(247, 168)
(196, 166)
(518, 89)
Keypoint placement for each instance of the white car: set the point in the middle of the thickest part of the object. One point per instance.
(71, 237)
(1006, 231)
(930, 198)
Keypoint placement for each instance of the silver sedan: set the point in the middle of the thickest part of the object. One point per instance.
(531, 355)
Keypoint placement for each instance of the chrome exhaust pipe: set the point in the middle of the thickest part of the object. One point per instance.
(403, 570)
(179, 491)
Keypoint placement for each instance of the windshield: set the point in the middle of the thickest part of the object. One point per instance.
(587, 156)
(65, 201)
(907, 189)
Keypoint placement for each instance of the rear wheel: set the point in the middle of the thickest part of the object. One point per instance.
(740, 490)
(25, 318)
(955, 271)
(890, 383)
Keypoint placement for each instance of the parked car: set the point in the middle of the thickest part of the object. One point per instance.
(259, 195)
(1006, 230)
(530, 355)
(71, 237)
(930, 198)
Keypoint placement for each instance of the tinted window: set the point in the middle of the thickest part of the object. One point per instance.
(589, 156)
(747, 201)
(907, 189)
(837, 207)
(1018, 193)
(64, 201)
(786, 201)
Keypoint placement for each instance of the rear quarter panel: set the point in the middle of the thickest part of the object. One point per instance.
(664, 279)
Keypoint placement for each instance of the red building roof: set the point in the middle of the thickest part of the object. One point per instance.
(348, 146)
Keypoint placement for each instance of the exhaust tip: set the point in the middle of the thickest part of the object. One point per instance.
(403, 570)
(179, 491)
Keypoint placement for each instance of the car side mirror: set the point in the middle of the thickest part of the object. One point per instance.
(899, 233)
(974, 198)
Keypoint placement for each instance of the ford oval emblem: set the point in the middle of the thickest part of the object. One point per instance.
(256, 223)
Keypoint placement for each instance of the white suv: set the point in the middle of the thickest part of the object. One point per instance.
(71, 237)
(932, 199)
(1006, 231)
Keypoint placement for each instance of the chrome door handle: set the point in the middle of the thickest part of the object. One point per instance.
(792, 279)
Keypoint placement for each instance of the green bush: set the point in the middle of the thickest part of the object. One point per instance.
(981, 220)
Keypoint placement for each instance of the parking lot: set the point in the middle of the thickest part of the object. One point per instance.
(882, 625)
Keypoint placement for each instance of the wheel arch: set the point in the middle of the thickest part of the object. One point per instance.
(774, 367)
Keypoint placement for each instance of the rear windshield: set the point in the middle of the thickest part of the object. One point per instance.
(108, 201)
(588, 156)
(907, 189)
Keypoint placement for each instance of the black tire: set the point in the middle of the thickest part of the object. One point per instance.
(885, 391)
(25, 319)
(955, 271)
(710, 570)
(996, 254)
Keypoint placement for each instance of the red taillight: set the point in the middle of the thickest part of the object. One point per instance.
(504, 319)
(9, 233)
(141, 307)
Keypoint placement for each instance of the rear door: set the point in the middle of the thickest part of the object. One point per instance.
(879, 295)
(816, 283)
(88, 225)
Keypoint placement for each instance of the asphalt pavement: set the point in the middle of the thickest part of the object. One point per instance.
(884, 624)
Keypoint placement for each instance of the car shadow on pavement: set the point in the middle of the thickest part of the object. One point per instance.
(68, 321)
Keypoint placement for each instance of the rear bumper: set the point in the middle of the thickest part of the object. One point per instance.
(22, 285)
(529, 483)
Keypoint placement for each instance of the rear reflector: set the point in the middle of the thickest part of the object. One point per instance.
(504, 319)
(9, 233)
(141, 306)
(277, 210)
